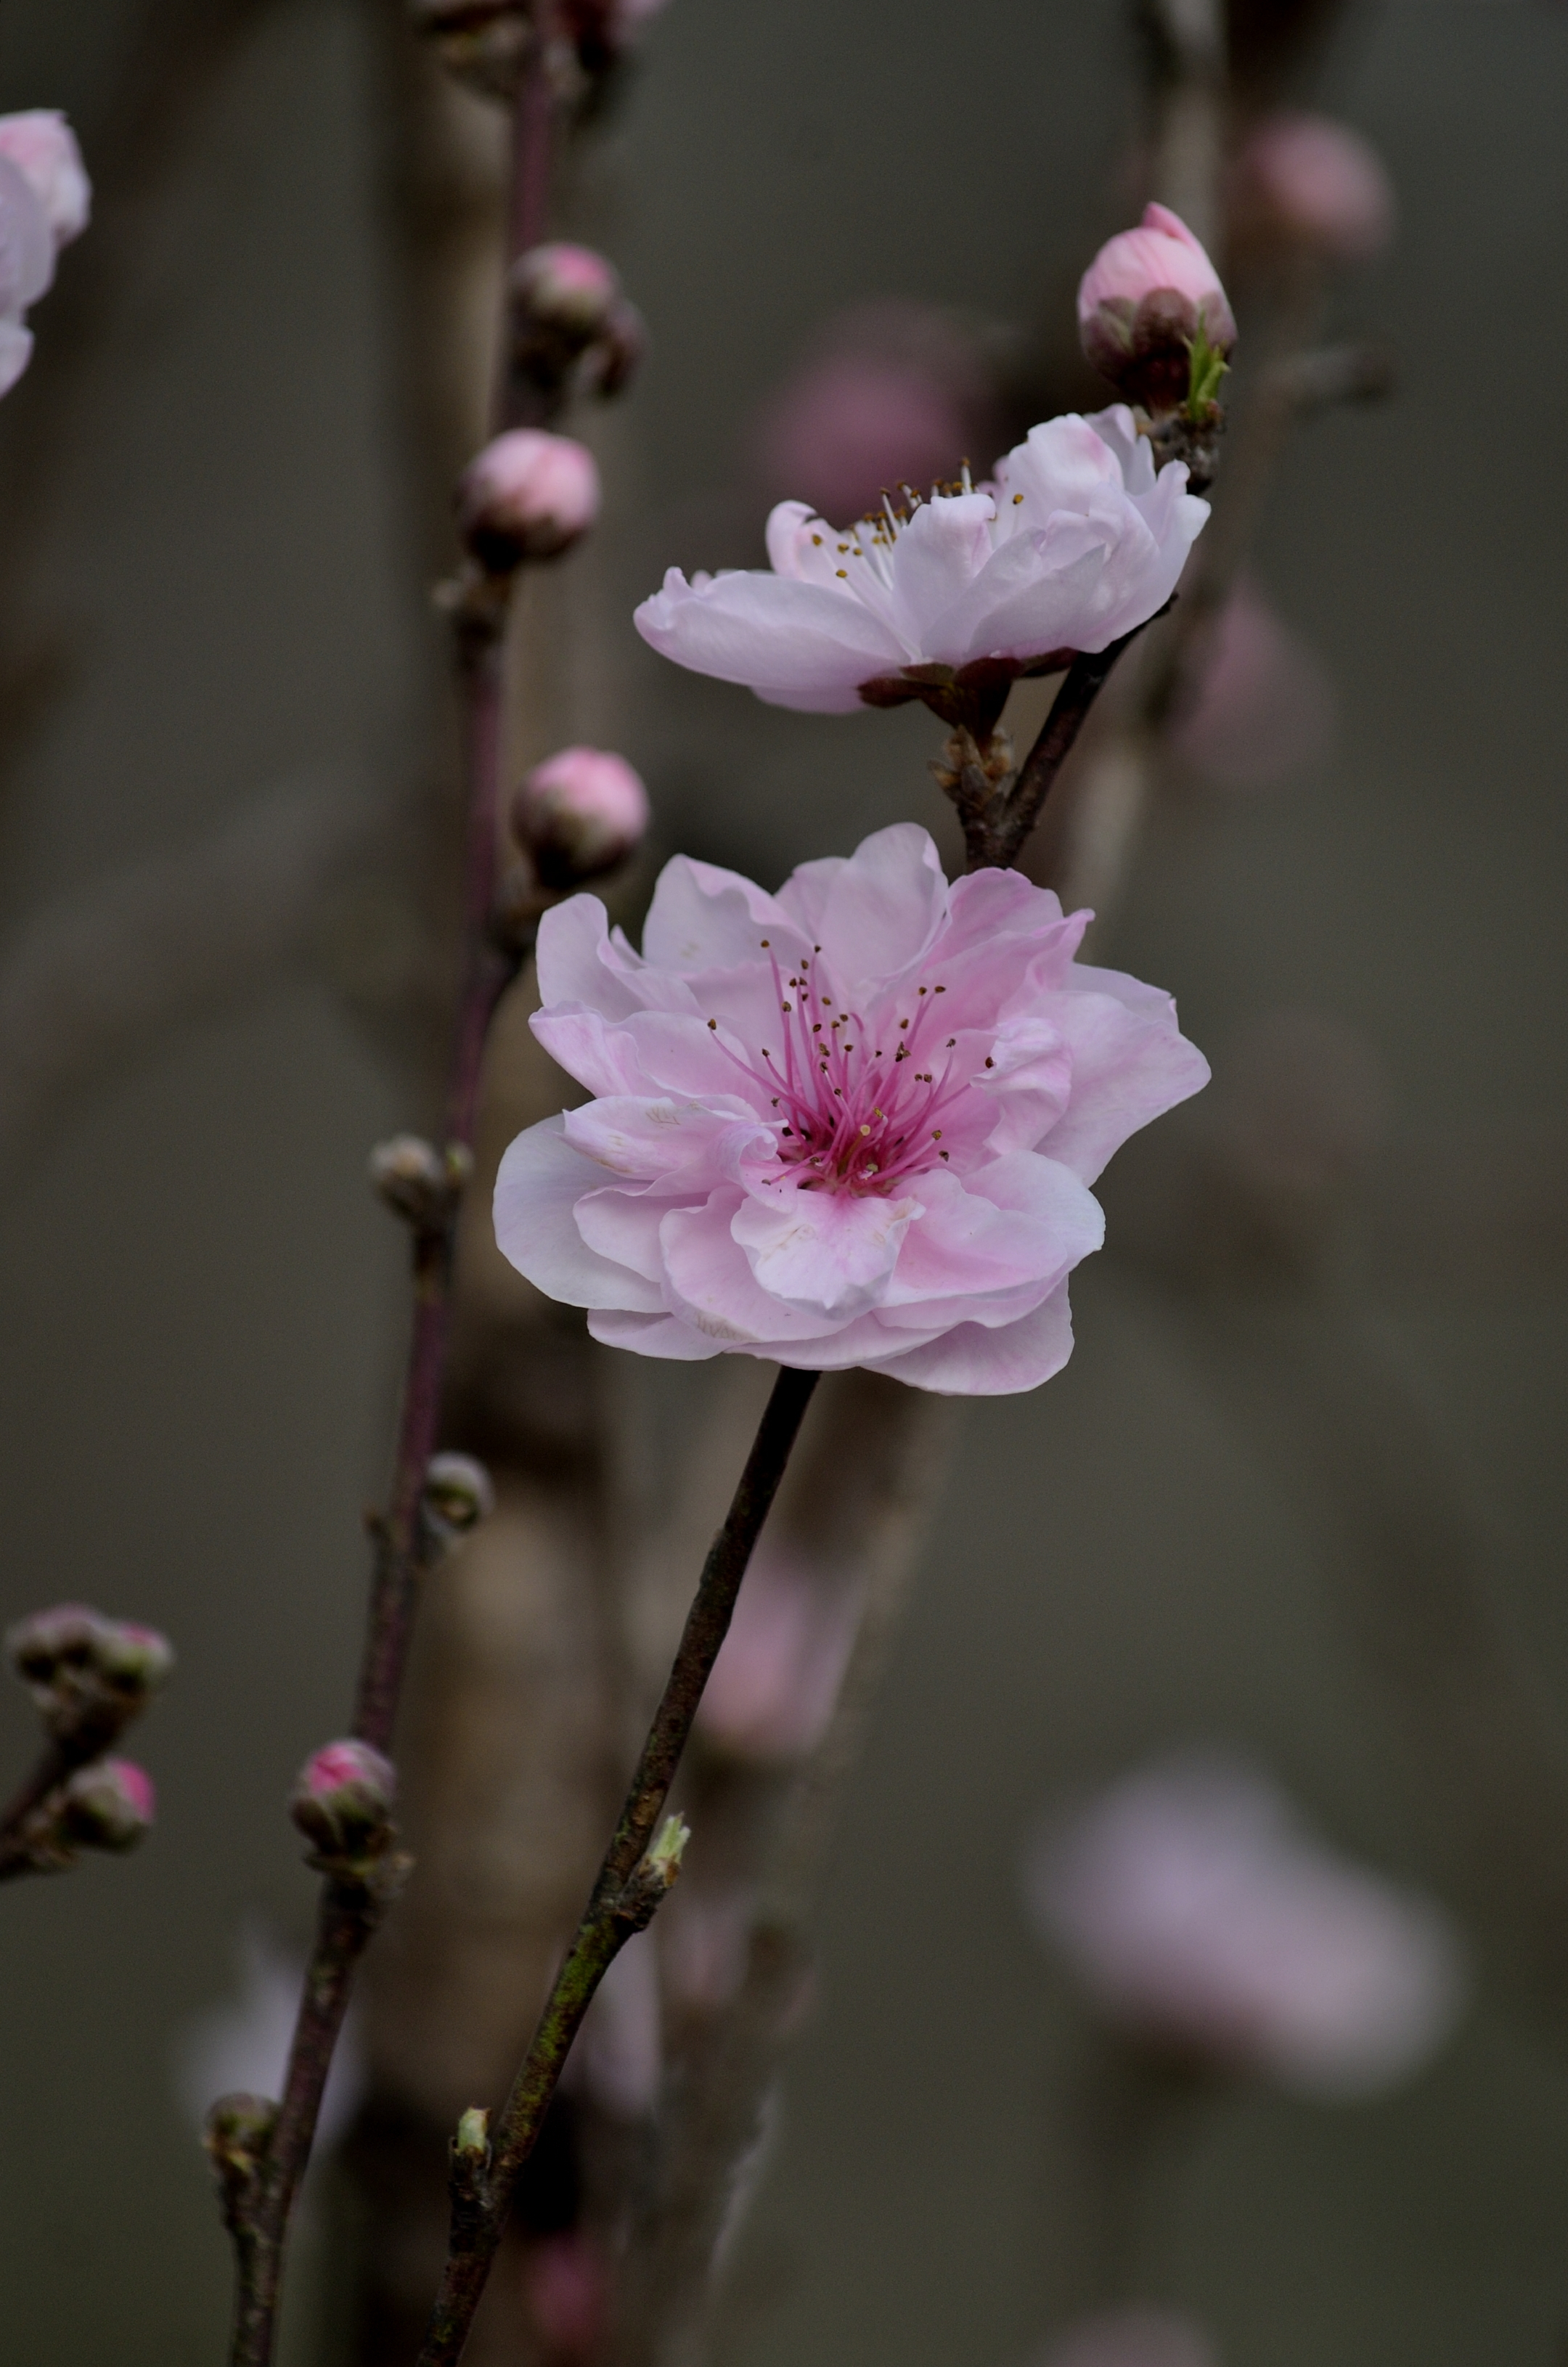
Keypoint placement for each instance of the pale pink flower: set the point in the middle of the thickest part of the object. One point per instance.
(1139, 304)
(852, 1124)
(42, 145)
(1076, 543)
(27, 266)
(1130, 2338)
(580, 812)
(529, 494)
(778, 1674)
(1200, 1914)
(1263, 706)
(1321, 183)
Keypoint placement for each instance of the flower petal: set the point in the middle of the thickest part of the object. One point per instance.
(1130, 1065)
(971, 1361)
(828, 1253)
(793, 643)
(540, 1181)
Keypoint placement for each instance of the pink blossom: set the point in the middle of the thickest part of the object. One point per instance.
(1320, 183)
(27, 266)
(1139, 304)
(1198, 1914)
(852, 1124)
(527, 495)
(1262, 706)
(580, 812)
(1130, 2338)
(1076, 544)
(43, 146)
(777, 1677)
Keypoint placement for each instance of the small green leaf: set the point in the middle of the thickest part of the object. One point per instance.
(1206, 367)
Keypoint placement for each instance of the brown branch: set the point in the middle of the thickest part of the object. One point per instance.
(625, 1892)
(20, 1826)
(261, 2168)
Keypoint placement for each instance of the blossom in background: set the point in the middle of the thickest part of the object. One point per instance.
(1262, 706)
(1076, 543)
(1142, 303)
(1130, 2338)
(852, 1124)
(45, 199)
(778, 1674)
(888, 393)
(580, 812)
(1318, 183)
(243, 2047)
(1198, 1914)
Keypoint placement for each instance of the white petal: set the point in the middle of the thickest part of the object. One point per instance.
(540, 1181)
(791, 642)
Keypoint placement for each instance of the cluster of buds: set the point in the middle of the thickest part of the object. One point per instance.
(341, 1802)
(421, 1184)
(572, 330)
(89, 1676)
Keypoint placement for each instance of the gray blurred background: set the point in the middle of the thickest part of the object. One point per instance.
(216, 649)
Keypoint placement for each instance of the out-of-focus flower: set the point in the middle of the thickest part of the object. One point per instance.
(617, 2059)
(1130, 2338)
(89, 1676)
(1142, 304)
(1263, 706)
(527, 495)
(1076, 543)
(1318, 183)
(41, 144)
(580, 813)
(244, 2043)
(26, 267)
(888, 394)
(570, 287)
(852, 1124)
(1200, 1915)
(776, 1676)
(566, 2278)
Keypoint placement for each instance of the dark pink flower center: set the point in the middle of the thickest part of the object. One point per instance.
(858, 1115)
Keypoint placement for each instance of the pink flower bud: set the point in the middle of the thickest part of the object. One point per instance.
(89, 1675)
(579, 814)
(1319, 183)
(1139, 304)
(41, 144)
(343, 1798)
(109, 1805)
(570, 288)
(528, 495)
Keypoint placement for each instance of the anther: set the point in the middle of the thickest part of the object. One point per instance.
(989, 1061)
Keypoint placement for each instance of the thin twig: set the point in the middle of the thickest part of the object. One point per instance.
(260, 2187)
(483, 2181)
(18, 1826)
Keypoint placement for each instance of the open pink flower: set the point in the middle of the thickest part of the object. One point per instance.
(852, 1124)
(1077, 542)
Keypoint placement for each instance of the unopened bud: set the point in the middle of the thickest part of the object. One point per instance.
(108, 1805)
(457, 1495)
(238, 2132)
(579, 814)
(89, 1675)
(42, 146)
(1153, 317)
(613, 361)
(527, 495)
(570, 290)
(653, 1876)
(343, 1799)
(422, 1184)
(668, 1848)
(472, 2139)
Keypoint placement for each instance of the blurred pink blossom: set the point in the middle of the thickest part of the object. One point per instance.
(26, 267)
(1320, 183)
(617, 2058)
(243, 2045)
(566, 2279)
(1130, 2338)
(1139, 304)
(777, 1677)
(42, 145)
(1198, 1914)
(1263, 706)
(854, 1124)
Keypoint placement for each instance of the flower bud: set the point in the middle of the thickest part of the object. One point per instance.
(568, 289)
(343, 1799)
(617, 353)
(527, 495)
(41, 144)
(472, 2139)
(579, 814)
(422, 1184)
(1318, 184)
(108, 1805)
(457, 1495)
(1150, 309)
(89, 1675)
(654, 1875)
